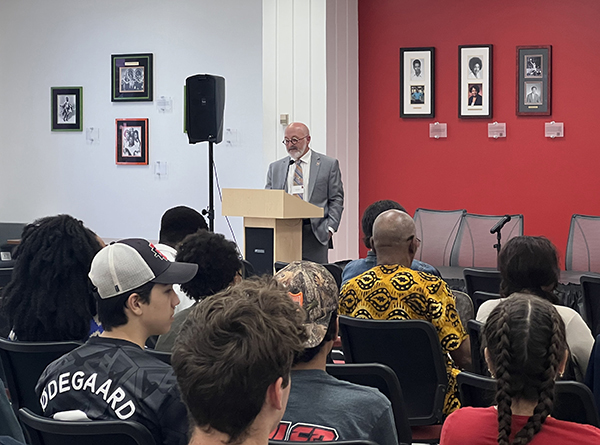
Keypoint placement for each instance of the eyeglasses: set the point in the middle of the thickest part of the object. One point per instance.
(410, 238)
(294, 140)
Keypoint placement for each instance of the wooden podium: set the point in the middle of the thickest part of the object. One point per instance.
(272, 224)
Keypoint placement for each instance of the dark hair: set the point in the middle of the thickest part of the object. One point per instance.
(371, 213)
(525, 339)
(217, 259)
(475, 86)
(529, 264)
(50, 297)
(231, 348)
(416, 61)
(309, 353)
(111, 311)
(179, 222)
(473, 61)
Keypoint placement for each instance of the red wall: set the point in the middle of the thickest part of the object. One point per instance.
(546, 180)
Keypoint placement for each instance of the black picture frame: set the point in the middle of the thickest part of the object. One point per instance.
(132, 77)
(417, 86)
(534, 80)
(66, 108)
(475, 81)
(132, 141)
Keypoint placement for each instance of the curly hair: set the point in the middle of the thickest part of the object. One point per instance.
(50, 297)
(370, 215)
(231, 348)
(217, 259)
(525, 339)
(529, 264)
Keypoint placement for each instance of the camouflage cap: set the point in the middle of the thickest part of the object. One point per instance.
(313, 288)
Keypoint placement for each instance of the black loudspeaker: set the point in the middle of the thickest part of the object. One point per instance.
(205, 103)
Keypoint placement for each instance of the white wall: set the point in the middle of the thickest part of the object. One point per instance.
(310, 71)
(69, 43)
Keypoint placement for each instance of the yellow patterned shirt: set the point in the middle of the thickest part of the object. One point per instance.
(394, 292)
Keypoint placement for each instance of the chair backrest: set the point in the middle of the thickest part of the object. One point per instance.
(474, 244)
(591, 301)
(247, 269)
(574, 402)
(336, 271)
(46, 431)
(481, 280)
(583, 245)
(464, 306)
(23, 364)
(412, 349)
(385, 380)
(474, 328)
(437, 231)
(480, 297)
(279, 265)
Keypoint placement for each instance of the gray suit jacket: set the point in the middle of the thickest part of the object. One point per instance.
(325, 190)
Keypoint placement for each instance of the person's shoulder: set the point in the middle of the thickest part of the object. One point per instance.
(324, 158)
(572, 430)
(567, 314)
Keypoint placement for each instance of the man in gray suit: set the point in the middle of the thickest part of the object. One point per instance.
(316, 178)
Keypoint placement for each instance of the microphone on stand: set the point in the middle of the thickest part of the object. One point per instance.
(498, 226)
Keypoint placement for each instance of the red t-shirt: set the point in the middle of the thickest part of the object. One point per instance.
(479, 426)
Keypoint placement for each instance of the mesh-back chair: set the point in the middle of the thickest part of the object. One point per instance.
(412, 349)
(247, 269)
(574, 402)
(591, 300)
(481, 297)
(46, 431)
(481, 280)
(437, 231)
(583, 245)
(478, 365)
(23, 364)
(385, 380)
(474, 244)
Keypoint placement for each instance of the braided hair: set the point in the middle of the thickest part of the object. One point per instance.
(525, 340)
(50, 297)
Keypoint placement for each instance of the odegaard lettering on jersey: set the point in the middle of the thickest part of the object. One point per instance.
(78, 382)
(303, 432)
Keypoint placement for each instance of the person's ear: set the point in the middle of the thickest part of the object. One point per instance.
(562, 365)
(488, 360)
(275, 394)
(134, 304)
(372, 245)
(308, 139)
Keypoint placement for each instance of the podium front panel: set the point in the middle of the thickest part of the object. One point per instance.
(260, 249)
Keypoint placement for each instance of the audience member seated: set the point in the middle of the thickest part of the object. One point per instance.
(334, 409)
(111, 377)
(175, 224)
(392, 291)
(526, 351)
(218, 267)
(50, 297)
(529, 265)
(356, 267)
(233, 358)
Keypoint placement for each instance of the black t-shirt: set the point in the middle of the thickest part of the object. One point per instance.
(110, 379)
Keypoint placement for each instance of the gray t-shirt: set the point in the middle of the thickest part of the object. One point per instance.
(323, 408)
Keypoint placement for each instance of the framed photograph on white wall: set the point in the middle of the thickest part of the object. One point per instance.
(475, 81)
(417, 98)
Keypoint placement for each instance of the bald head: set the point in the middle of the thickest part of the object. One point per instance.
(394, 240)
(298, 136)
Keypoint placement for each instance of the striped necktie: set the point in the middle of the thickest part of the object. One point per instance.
(298, 180)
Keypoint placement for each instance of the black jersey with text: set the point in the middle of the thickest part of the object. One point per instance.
(109, 379)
